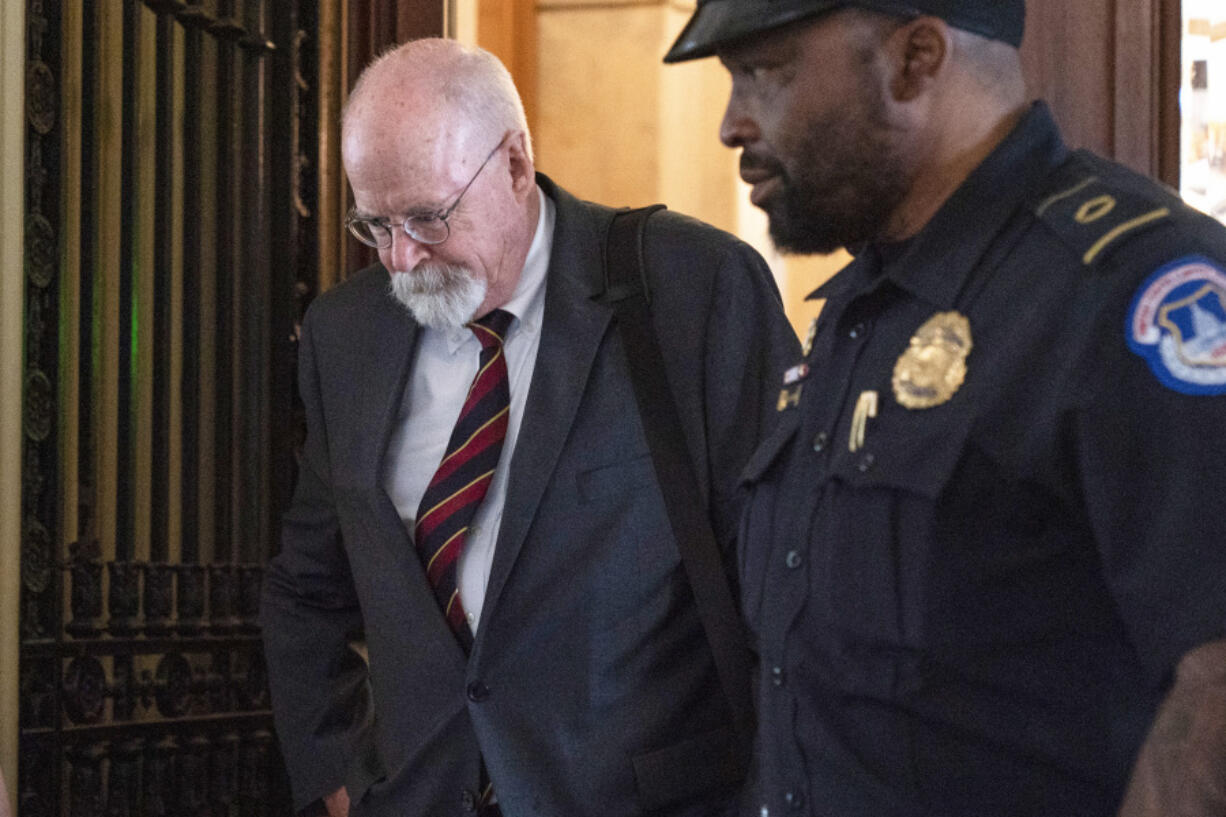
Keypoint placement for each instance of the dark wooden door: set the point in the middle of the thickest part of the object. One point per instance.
(169, 239)
(1111, 71)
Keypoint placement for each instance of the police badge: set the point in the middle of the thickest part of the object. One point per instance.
(933, 367)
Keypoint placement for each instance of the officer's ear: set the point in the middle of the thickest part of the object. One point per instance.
(918, 52)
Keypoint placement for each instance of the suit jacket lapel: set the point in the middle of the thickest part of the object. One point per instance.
(391, 338)
(573, 328)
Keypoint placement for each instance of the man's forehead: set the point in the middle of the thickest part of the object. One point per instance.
(430, 145)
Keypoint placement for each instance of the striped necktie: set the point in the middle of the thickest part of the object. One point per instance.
(466, 471)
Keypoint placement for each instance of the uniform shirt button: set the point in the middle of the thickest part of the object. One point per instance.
(764, 812)
(819, 442)
(777, 676)
(866, 463)
(795, 800)
(478, 692)
(468, 800)
(857, 331)
(793, 559)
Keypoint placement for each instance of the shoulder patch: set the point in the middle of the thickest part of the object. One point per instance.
(1178, 325)
(1093, 215)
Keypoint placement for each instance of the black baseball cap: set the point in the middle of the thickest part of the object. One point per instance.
(720, 22)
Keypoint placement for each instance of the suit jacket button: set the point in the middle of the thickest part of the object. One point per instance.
(468, 800)
(478, 692)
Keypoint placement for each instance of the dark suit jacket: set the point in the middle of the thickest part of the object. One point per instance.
(590, 689)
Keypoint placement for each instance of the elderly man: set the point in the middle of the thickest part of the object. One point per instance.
(476, 493)
(985, 552)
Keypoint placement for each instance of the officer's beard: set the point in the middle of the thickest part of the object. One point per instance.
(841, 184)
(440, 296)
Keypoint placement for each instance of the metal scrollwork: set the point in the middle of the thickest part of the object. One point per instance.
(228, 28)
(174, 684)
(86, 596)
(39, 406)
(124, 597)
(84, 690)
(223, 770)
(123, 781)
(37, 566)
(37, 694)
(193, 777)
(141, 684)
(195, 17)
(250, 581)
(222, 595)
(125, 692)
(191, 598)
(159, 597)
(32, 477)
(41, 248)
(40, 97)
(158, 779)
(85, 782)
(175, 7)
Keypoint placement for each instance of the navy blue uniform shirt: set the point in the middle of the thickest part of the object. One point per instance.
(969, 591)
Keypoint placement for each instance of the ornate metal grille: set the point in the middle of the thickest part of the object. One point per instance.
(169, 247)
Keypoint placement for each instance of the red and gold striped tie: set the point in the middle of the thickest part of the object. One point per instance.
(466, 471)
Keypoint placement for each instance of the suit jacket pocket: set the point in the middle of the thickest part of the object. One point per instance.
(624, 477)
(692, 769)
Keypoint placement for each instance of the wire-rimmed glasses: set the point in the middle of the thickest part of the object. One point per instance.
(426, 228)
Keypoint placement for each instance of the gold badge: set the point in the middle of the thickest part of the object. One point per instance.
(934, 366)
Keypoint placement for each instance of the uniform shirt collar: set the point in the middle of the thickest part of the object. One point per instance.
(935, 264)
(527, 303)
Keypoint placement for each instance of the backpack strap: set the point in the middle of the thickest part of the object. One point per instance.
(628, 293)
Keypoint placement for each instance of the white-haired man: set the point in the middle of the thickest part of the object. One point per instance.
(534, 646)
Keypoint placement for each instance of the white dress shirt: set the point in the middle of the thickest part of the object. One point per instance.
(444, 368)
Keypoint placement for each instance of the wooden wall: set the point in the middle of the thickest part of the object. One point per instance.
(1110, 70)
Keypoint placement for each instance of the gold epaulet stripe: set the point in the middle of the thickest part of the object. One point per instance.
(1072, 191)
(1126, 227)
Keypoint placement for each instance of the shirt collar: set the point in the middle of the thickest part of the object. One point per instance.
(935, 264)
(527, 303)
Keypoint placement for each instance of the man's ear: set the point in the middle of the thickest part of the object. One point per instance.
(918, 52)
(523, 171)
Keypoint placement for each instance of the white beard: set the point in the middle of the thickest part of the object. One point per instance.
(440, 296)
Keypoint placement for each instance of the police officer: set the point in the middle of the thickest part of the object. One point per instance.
(984, 559)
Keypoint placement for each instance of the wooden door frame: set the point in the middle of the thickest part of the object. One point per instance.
(1120, 95)
(1169, 121)
(1148, 46)
(12, 298)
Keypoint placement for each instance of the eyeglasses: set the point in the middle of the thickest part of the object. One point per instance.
(426, 228)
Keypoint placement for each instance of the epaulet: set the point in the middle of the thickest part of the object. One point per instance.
(1095, 207)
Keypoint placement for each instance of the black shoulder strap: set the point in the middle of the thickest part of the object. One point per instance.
(627, 291)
